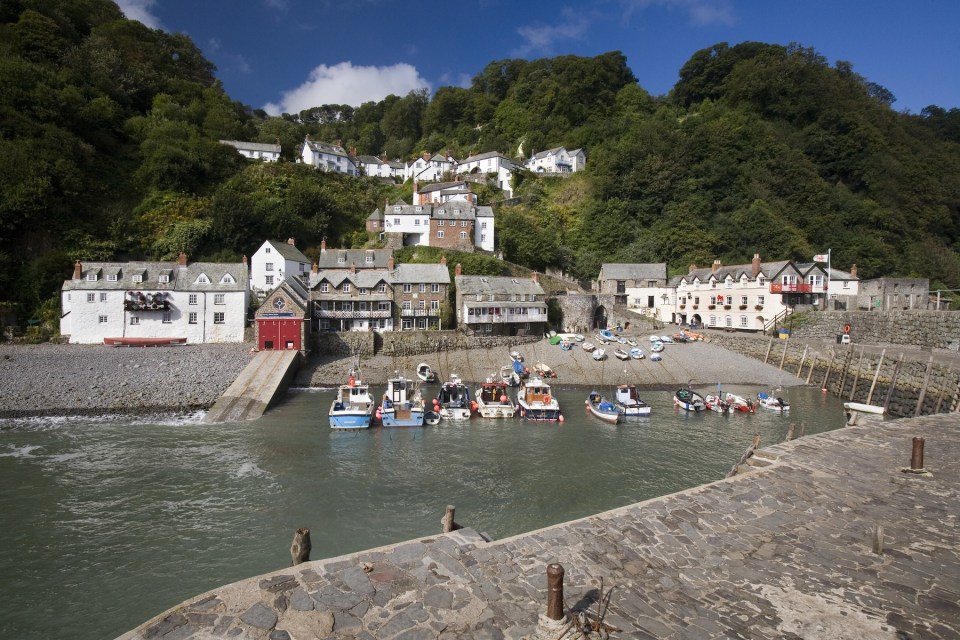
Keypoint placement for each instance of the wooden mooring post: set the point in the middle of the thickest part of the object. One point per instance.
(783, 354)
(803, 358)
(923, 388)
(448, 523)
(943, 389)
(826, 376)
(843, 376)
(875, 376)
(916, 455)
(746, 456)
(856, 377)
(893, 383)
(813, 365)
(769, 347)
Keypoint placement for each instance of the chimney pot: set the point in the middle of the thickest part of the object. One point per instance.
(291, 242)
(315, 268)
(443, 260)
(716, 266)
(535, 276)
(457, 270)
(353, 267)
(323, 246)
(77, 270)
(755, 267)
(390, 263)
(182, 259)
(853, 271)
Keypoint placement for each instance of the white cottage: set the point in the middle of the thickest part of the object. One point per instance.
(328, 157)
(273, 262)
(198, 302)
(255, 150)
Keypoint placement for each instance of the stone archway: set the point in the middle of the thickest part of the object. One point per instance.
(599, 318)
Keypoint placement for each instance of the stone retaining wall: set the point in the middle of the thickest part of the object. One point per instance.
(919, 328)
(409, 343)
(906, 388)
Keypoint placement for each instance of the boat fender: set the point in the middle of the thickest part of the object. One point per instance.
(503, 398)
(473, 405)
(546, 399)
(560, 417)
(846, 328)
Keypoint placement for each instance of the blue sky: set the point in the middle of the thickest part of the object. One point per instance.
(288, 55)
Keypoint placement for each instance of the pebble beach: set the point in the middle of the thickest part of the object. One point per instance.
(65, 379)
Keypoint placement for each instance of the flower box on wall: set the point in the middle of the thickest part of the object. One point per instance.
(743, 307)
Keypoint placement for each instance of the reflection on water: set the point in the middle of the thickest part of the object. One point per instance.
(128, 517)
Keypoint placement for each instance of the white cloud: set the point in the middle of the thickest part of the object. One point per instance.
(344, 83)
(141, 10)
(541, 39)
(701, 12)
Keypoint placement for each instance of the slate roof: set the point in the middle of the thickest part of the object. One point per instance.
(330, 258)
(288, 251)
(253, 146)
(472, 285)
(622, 271)
(181, 278)
(427, 273)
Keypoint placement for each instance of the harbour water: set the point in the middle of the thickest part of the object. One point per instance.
(110, 521)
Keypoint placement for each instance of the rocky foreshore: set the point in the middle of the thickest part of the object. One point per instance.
(64, 379)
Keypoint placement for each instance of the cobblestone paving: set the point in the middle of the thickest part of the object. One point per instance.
(785, 551)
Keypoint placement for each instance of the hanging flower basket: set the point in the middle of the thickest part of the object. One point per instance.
(727, 307)
(683, 306)
(758, 307)
(711, 306)
(696, 306)
(743, 307)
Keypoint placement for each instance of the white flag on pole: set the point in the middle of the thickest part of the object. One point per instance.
(820, 257)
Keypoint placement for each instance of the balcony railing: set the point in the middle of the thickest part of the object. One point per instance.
(505, 317)
(778, 287)
(137, 305)
(347, 315)
(419, 313)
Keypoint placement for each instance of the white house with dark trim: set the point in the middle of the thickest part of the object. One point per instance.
(255, 150)
(328, 157)
(491, 163)
(199, 301)
(557, 161)
(273, 262)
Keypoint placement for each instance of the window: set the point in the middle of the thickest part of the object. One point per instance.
(396, 221)
(203, 279)
(435, 288)
(363, 291)
(346, 287)
(91, 277)
(761, 281)
(164, 279)
(440, 223)
(342, 260)
(228, 279)
(422, 304)
(846, 284)
(423, 287)
(434, 304)
(407, 288)
(346, 306)
(439, 234)
(192, 317)
(113, 278)
(381, 288)
(91, 297)
(103, 296)
(218, 298)
(463, 235)
(743, 300)
(369, 259)
(483, 237)
(166, 317)
(218, 317)
(479, 297)
(134, 320)
(743, 321)
(138, 278)
(406, 305)
(267, 250)
(192, 298)
(102, 319)
(416, 222)
(268, 266)
(483, 225)
(383, 305)
(463, 223)
(268, 280)
(759, 299)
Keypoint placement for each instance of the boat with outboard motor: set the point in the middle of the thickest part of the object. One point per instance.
(402, 404)
(492, 401)
(601, 408)
(354, 405)
(536, 402)
(453, 400)
(629, 403)
(689, 400)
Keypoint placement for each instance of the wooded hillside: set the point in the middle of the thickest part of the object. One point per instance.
(109, 150)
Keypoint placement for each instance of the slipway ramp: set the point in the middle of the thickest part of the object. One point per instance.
(263, 381)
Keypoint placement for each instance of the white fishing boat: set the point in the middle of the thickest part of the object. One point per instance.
(599, 354)
(402, 404)
(536, 402)
(492, 400)
(453, 400)
(689, 400)
(354, 405)
(636, 353)
(774, 403)
(629, 403)
(621, 354)
(602, 408)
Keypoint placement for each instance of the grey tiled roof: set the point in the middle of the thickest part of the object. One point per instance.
(181, 278)
(473, 285)
(620, 271)
(331, 258)
(428, 273)
(288, 251)
(253, 146)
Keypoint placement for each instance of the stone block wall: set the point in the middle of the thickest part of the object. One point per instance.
(408, 343)
(915, 327)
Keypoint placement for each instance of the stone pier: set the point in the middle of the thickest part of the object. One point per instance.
(832, 536)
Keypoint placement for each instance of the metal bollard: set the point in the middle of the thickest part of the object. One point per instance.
(555, 591)
(916, 458)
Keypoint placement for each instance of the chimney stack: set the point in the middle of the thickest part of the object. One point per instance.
(535, 276)
(353, 267)
(323, 246)
(243, 259)
(716, 266)
(78, 270)
(182, 259)
(315, 268)
(291, 242)
(693, 267)
(443, 260)
(755, 271)
(457, 270)
(853, 271)
(390, 263)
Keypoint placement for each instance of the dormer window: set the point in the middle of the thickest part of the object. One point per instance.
(203, 279)
(226, 279)
(111, 277)
(346, 287)
(456, 212)
(396, 209)
(342, 260)
(369, 259)
(324, 287)
(92, 276)
(418, 208)
(137, 278)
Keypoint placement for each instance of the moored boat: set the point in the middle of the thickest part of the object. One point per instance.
(715, 402)
(775, 403)
(739, 403)
(536, 403)
(689, 400)
(608, 335)
(578, 337)
(589, 347)
(144, 342)
(492, 400)
(629, 403)
(508, 376)
(426, 373)
(601, 408)
(402, 404)
(453, 400)
(544, 371)
(354, 405)
(621, 354)
(599, 354)
(636, 353)
(656, 347)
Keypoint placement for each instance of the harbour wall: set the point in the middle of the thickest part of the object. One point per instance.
(918, 328)
(906, 384)
(410, 343)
